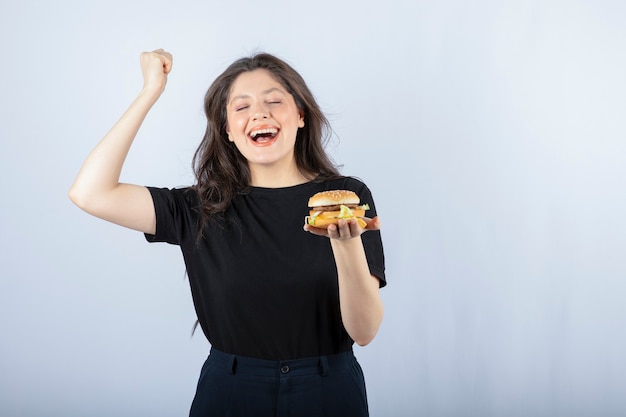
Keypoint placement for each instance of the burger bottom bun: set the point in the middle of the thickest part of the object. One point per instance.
(323, 223)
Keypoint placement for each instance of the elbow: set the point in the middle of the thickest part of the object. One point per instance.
(81, 198)
(76, 197)
(362, 332)
(73, 195)
(363, 342)
(364, 339)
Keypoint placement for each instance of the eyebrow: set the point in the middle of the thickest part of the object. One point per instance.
(263, 93)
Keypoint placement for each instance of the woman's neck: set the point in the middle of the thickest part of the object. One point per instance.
(271, 177)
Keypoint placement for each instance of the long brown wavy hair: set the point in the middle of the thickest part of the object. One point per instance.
(221, 170)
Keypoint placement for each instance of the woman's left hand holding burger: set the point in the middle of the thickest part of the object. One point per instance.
(345, 229)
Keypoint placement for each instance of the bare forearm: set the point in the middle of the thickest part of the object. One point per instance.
(101, 170)
(359, 298)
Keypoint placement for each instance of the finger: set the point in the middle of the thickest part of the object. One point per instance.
(355, 228)
(373, 224)
(167, 67)
(168, 61)
(333, 231)
(343, 227)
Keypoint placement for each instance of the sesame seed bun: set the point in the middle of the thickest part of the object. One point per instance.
(333, 198)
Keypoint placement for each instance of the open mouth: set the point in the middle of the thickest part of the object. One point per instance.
(263, 136)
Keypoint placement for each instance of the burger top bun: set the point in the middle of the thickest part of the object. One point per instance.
(333, 198)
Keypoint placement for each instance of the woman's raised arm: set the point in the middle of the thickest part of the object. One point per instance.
(97, 189)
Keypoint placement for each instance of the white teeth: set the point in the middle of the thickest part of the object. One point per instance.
(255, 133)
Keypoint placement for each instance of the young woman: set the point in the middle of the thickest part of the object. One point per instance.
(280, 306)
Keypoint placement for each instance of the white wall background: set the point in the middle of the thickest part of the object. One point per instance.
(492, 134)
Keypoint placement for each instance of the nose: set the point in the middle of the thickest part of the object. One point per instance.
(259, 115)
(260, 112)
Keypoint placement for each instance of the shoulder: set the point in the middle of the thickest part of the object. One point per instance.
(176, 214)
(343, 182)
(348, 183)
(175, 200)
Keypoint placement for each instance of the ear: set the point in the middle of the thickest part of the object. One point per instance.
(301, 120)
(228, 133)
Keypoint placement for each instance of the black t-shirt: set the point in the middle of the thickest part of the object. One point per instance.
(262, 287)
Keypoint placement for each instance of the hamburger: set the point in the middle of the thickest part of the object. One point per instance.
(327, 207)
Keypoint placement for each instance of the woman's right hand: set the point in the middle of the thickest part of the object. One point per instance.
(155, 66)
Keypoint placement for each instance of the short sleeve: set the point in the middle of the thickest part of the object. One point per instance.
(176, 219)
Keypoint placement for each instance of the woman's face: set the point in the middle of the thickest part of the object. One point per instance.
(263, 120)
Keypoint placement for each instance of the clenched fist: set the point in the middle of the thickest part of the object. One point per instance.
(155, 66)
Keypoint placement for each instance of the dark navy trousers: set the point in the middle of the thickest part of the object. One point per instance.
(236, 386)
